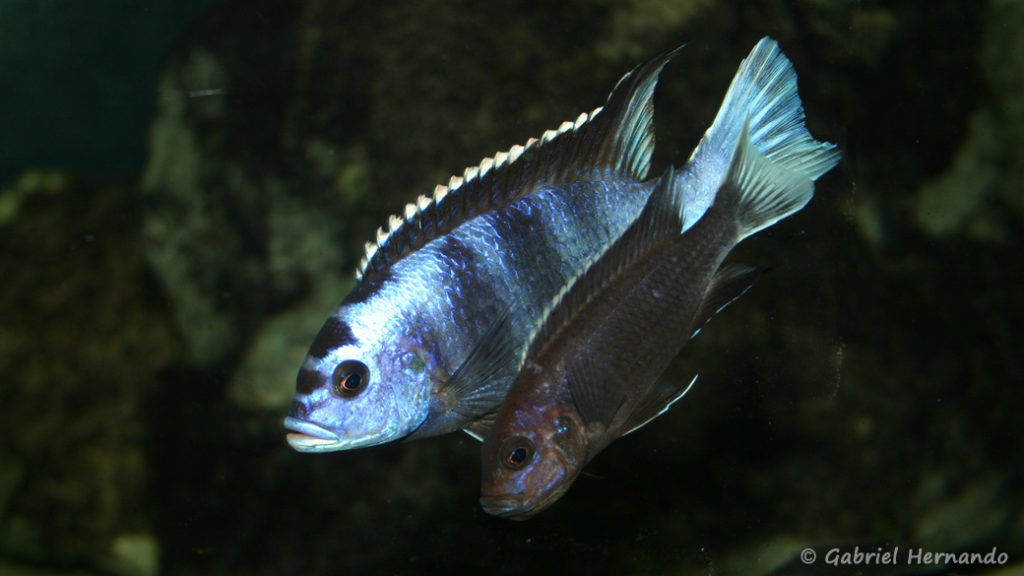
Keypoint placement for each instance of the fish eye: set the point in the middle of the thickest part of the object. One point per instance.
(350, 378)
(517, 452)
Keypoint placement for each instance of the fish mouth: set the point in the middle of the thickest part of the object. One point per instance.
(308, 437)
(516, 506)
(502, 506)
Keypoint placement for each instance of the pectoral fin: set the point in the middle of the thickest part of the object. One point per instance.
(730, 282)
(597, 391)
(481, 427)
(479, 385)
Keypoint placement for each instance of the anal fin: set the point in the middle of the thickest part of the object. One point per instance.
(730, 282)
(656, 403)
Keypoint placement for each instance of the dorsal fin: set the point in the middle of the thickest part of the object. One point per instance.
(611, 142)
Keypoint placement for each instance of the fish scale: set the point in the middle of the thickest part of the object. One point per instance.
(506, 269)
(591, 373)
(407, 352)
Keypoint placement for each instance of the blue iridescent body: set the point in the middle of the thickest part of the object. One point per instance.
(493, 248)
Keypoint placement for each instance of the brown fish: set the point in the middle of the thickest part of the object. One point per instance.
(591, 373)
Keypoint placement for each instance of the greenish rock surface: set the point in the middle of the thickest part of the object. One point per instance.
(134, 555)
(82, 342)
(979, 505)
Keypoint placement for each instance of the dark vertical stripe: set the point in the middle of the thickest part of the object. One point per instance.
(541, 276)
(308, 381)
(458, 255)
(467, 282)
(334, 333)
(368, 287)
(298, 410)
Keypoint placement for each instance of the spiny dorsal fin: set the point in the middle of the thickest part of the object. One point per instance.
(612, 142)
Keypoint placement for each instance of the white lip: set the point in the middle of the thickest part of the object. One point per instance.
(308, 437)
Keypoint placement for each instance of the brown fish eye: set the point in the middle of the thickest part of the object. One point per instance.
(518, 452)
(516, 457)
(350, 378)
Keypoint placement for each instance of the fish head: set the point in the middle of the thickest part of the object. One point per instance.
(531, 461)
(361, 385)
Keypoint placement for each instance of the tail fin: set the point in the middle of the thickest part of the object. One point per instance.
(761, 192)
(763, 92)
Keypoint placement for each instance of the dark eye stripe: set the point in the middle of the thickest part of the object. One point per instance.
(335, 333)
(308, 381)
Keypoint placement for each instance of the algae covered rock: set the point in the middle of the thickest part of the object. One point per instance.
(80, 347)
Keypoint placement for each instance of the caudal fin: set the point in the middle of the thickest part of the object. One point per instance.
(759, 191)
(764, 94)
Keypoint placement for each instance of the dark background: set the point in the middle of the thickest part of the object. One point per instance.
(186, 188)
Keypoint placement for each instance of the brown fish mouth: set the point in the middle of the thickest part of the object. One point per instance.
(517, 506)
(308, 437)
(502, 506)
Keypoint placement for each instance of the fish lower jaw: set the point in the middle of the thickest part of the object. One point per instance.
(306, 443)
(516, 507)
(503, 507)
(307, 437)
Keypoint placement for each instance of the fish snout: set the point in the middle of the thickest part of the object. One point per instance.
(503, 506)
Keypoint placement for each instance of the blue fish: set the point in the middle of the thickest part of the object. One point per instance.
(489, 252)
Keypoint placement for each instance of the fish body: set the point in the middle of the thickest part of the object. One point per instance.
(459, 282)
(402, 356)
(591, 373)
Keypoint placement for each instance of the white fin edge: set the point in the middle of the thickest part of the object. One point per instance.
(471, 173)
